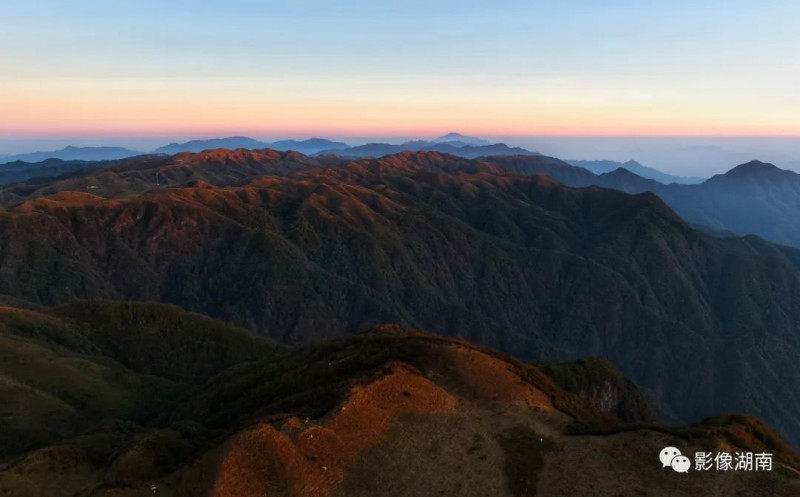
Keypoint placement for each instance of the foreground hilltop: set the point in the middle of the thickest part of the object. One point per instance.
(390, 412)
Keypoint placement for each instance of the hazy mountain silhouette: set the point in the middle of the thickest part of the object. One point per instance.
(457, 246)
(73, 154)
(233, 143)
(754, 198)
(310, 146)
(459, 140)
(607, 166)
(115, 398)
(459, 149)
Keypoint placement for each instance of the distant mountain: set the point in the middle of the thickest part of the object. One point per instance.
(461, 150)
(310, 146)
(73, 154)
(232, 143)
(459, 140)
(606, 166)
(754, 172)
(753, 198)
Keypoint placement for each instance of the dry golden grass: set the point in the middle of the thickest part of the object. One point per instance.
(309, 459)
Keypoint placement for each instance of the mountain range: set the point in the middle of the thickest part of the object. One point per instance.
(459, 149)
(310, 146)
(517, 262)
(753, 198)
(127, 399)
(71, 153)
(607, 166)
(42, 166)
(451, 143)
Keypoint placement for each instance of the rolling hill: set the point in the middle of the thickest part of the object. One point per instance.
(16, 172)
(457, 246)
(391, 412)
(64, 370)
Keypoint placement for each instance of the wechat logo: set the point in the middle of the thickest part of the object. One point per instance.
(672, 458)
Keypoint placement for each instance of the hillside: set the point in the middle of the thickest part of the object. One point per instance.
(64, 370)
(391, 412)
(518, 263)
(18, 171)
(215, 167)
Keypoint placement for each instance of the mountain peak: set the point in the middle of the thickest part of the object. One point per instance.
(758, 173)
(755, 165)
(458, 138)
(756, 169)
(621, 171)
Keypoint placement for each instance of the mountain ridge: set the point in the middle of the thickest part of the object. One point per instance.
(72, 153)
(442, 243)
(606, 166)
(309, 146)
(466, 150)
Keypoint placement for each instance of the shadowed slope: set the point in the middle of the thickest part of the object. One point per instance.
(753, 198)
(63, 370)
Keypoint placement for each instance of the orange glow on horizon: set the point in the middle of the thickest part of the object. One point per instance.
(152, 108)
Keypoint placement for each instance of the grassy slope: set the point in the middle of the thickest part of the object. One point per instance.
(422, 411)
(62, 371)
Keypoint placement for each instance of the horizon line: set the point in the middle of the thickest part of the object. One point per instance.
(206, 134)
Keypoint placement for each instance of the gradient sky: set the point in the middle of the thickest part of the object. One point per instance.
(353, 67)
